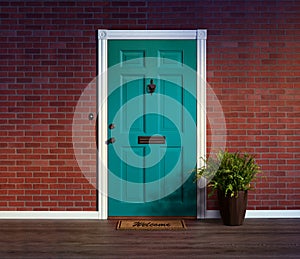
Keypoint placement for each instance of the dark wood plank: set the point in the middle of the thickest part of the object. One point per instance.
(260, 238)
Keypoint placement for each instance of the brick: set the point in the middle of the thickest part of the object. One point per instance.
(47, 204)
(57, 198)
(65, 204)
(32, 204)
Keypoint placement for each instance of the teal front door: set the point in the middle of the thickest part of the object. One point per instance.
(152, 127)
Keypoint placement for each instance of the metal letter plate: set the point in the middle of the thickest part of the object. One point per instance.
(151, 139)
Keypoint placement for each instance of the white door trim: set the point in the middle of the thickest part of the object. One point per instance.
(102, 163)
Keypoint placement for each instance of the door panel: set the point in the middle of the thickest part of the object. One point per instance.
(152, 179)
(130, 89)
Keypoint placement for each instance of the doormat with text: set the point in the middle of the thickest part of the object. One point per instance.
(151, 225)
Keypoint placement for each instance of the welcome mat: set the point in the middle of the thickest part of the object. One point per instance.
(151, 225)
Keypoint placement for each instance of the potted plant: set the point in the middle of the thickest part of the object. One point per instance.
(230, 175)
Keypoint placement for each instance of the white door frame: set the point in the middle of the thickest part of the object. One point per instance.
(102, 105)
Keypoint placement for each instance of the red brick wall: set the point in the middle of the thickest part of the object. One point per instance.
(48, 58)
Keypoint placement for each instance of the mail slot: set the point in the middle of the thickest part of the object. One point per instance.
(151, 139)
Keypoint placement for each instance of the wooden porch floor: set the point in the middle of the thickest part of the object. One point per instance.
(257, 238)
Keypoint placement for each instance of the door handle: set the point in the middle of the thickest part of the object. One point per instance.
(111, 140)
(111, 126)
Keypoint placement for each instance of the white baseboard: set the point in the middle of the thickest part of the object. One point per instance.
(210, 214)
(49, 215)
(213, 214)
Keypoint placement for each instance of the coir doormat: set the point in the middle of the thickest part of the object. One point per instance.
(151, 225)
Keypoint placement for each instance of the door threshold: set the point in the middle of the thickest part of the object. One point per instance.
(151, 217)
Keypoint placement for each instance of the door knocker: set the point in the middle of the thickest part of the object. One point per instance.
(151, 87)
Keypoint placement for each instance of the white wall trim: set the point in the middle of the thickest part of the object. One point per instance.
(102, 125)
(49, 215)
(273, 214)
(214, 214)
(151, 34)
(210, 214)
(201, 116)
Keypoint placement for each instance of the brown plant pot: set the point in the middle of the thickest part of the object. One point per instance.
(233, 209)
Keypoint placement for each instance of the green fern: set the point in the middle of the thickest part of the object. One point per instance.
(229, 172)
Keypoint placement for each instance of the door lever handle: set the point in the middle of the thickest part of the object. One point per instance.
(111, 141)
(111, 126)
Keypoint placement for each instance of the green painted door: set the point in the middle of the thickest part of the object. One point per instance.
(152, 136)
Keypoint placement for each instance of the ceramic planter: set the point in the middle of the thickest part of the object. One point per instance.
(233, 209)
